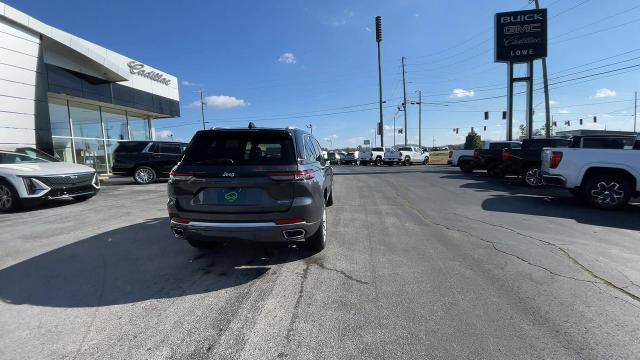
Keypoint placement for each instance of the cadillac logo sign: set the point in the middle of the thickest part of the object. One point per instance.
(521, 36)
(137, 68)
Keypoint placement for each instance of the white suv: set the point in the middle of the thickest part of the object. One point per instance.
(28, 175)
(413, 155)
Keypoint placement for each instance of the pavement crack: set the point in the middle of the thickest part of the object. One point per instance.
(564, 252)
(321, 265)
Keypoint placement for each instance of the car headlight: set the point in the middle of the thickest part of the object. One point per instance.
(34, 186)
(96, 181)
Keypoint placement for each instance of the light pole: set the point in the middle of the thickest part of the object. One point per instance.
(378, 41)
(310, 127)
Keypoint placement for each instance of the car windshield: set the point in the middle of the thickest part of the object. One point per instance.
(15, 158)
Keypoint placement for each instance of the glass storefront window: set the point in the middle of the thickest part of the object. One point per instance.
(62, 149)
(111, 146)
(115, 124)
(139, 127)
(85, 120)
(59, 115)
(91, 153)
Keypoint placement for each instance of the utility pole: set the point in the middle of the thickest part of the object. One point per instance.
(404, 102)
(378, 41)
(204, 127)
(547, 108)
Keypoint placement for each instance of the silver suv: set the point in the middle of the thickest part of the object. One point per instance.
(270, 185)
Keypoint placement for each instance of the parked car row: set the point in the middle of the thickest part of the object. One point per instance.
(602, 170)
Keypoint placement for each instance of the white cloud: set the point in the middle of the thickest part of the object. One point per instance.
(221, 102)
(368, 29)
(189, 83)
(164, 134)
(604, 92)
(553, 102)
(563, 111)
(288, 58)
(460, 93)
(342, 19)
(416, 14)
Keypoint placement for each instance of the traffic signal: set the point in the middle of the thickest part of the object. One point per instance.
(580, 121)
(504, 115)
(595, 119)
(568, 123)
(400, 131)
(379, 128)
(378, 28)
(486, 115)
(485, 128)
(555, 124)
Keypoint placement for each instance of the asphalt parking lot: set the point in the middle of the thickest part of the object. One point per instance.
(422, 262)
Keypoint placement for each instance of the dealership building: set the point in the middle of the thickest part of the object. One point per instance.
(72, 98)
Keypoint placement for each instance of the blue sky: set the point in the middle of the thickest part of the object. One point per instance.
(290, 62)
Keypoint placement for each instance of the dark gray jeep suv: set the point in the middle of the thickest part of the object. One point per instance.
(269, 185)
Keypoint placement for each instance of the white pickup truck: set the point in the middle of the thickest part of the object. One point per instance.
(413, 155)
(459, 157)
(379, 156)
(606, 178)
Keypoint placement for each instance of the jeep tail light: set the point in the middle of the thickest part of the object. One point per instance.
(505, 155)
(180, 176)
(476, 153)
(556, 157)
(450, 154)
(292, 175)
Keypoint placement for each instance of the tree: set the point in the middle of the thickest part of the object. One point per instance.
(472, 141)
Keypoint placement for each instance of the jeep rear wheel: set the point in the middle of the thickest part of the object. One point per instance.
(318, 241)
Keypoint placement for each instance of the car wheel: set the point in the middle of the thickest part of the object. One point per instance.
(83, 197)
(330, 199)
(378, 161)
(318, 241)
(9, 199)
(144, 175)
(532, 176)
(426, 160)
(608, 192)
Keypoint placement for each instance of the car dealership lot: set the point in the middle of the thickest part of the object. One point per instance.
(421, 262)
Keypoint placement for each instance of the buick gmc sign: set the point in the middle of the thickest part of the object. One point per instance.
(521, 36)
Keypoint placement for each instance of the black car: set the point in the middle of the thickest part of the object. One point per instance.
(269, 185)
(526, 161)
(490, 158)
(146, 161)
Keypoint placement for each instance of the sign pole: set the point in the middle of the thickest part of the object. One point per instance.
(530, 100)
(510, 102)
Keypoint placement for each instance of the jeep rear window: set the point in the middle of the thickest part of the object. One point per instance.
(241, 148)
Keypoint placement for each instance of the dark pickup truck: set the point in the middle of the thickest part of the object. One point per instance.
(526, 161)
(490, 158)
